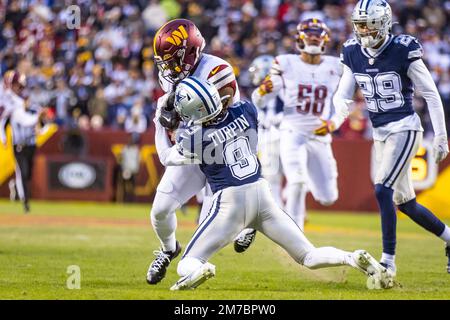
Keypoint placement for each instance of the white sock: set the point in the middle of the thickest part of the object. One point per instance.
(164, 220)
(388, 258)
(446, 235)
(326, 257)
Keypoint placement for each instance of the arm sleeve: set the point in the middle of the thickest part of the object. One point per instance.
(170, 155)
(344, 93)
(424, 84)
(162, 141)
(160, 131)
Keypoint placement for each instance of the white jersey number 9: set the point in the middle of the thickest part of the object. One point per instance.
(387, 86)
(239, 158)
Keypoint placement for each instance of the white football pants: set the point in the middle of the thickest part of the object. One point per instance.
(252, 206)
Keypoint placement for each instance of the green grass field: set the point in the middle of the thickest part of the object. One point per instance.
(113, 244)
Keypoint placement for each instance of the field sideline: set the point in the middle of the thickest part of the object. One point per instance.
(113, 244)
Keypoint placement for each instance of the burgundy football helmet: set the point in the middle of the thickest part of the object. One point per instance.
(178, 46)
(14, 80)
(313, 35)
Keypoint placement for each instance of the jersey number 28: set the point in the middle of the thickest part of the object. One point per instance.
(387, 86)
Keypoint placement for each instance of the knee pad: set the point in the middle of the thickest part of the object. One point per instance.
(407, 206)
(382, 193)
(163, 204)
(188, 265)
(296, 188)
(327, 203)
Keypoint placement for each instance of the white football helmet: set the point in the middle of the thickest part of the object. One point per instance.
(371, 21)
(197, 101)
(260, 68)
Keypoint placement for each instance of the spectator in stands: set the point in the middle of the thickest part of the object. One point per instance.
(107, 62)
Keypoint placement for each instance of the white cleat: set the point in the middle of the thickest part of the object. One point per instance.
(378, 276)
(196, 278)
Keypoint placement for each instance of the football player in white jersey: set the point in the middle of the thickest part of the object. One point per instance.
(12, 105)
(269, 119)
(178, 48)
(388, 68)
(307, 84)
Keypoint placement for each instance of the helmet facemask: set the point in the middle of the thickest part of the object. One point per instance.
(172, 67)
(372, 26)
(312, 37)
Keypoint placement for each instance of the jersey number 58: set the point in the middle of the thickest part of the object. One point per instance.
(311, 99)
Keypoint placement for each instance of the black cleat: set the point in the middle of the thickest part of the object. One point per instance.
(26, 207)
(447, 253)
(157, 270)
(244, 241)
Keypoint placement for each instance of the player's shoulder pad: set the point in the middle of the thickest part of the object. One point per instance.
(279, 64)
(247, 107)
(409, 45)
(331, 59)
(349, 46)
(219, 72)
(218, 69)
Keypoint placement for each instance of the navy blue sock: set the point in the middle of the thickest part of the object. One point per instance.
(422, 216)
(388, 217)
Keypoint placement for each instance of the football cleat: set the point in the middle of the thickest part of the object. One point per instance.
(196, 278)
(244, 241)
(447, 253)
(26, 207)
(391, 268)
(157, 270)
(378, 276)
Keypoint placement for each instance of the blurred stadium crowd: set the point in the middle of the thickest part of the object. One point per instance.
(102, 74)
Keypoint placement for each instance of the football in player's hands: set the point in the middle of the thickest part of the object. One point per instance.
(440, 148)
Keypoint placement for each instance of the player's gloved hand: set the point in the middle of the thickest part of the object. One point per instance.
(265, 87)
(440, 148)
(327, 127)
(169, 117)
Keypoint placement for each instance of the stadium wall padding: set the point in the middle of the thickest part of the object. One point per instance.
(352, 156)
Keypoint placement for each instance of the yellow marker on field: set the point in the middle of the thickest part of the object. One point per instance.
(7, 162)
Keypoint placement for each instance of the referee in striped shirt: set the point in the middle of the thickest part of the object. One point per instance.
(24, 143)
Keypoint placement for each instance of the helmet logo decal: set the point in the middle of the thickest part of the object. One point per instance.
(178, 36)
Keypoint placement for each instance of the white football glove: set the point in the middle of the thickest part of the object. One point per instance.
(440, 148)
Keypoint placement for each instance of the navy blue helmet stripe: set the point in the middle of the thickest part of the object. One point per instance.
(361, 4)
(199, 94)
(367, 4)
(204, 89)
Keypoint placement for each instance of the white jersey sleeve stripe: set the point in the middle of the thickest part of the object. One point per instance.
(224, 81)
(220, 75)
